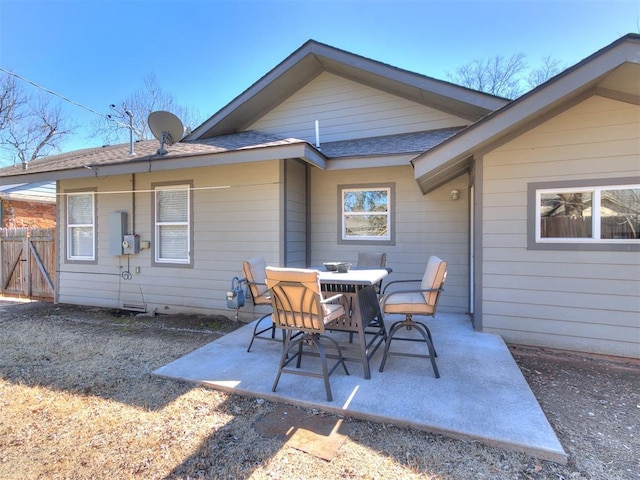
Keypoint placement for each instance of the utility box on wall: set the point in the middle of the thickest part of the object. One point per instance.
(117, 230)
(130, 244)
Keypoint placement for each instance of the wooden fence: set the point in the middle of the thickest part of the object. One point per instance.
(28, 258)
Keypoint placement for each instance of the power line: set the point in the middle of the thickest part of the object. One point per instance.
(53, 93)
(192, 189)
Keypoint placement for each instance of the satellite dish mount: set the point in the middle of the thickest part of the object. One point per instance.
(166, 127)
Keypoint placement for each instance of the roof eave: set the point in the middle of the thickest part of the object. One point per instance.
(313, 58)
(433, 165)
(303, 151)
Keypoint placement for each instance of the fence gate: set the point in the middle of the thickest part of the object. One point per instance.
(28, 262)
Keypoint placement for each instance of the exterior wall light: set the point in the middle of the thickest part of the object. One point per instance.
(455, 194)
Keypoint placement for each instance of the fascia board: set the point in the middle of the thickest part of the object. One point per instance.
(523, 110)
(156, 164)
(346, 163)
(313, 58)
(253, 90)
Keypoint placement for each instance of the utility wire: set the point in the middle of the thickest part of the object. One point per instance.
(193, 189)
(54, 93)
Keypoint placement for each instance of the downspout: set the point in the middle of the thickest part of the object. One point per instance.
(133, 203)
(60, 252)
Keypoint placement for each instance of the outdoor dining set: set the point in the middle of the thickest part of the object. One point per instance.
(310, 306)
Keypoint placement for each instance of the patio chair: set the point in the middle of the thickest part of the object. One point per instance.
(372, 260)
(254, 272)
(298, 306)
(422, 301)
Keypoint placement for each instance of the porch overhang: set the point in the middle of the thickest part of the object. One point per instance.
(438, 175)
(612, 72)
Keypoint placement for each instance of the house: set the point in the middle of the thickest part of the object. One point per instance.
(331, 153)
(31, 205)
(541, 166)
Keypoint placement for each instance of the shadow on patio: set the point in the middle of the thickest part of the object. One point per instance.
(480, 396)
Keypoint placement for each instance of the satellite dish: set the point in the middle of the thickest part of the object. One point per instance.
(166, 127)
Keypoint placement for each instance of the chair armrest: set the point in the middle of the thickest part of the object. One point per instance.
(338, 297)
(384, 298)
(399, 281)
(332, 299)
(250, 283)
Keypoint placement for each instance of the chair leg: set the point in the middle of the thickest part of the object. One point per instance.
(424, 331)
(312, 339)
(283, 358)
(392, 331)
(257, 333)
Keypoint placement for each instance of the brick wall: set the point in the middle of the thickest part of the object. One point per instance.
(18, 213)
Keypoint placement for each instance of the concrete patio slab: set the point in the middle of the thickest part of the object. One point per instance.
(480, 396)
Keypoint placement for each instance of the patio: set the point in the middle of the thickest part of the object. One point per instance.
(481, 395)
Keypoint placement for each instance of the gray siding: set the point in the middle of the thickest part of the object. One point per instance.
(295, 214)
(225, 224)
(347, 110)
(425, 225)
(580, 300)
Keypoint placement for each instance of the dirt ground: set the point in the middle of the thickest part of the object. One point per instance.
(77, 401)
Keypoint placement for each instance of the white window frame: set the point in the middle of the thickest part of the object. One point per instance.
(158, 224)
(595, 187)
(71, 226)
(343, 238)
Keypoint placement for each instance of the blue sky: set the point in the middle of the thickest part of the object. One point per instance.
(205, 53)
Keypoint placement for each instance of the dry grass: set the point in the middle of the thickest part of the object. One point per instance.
(77, 401)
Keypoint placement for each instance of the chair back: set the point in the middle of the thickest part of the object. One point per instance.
(434, 277)
(296, 299)
(372, 259)
(254, 271)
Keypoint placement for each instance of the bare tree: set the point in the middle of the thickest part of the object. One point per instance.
(497, 75)
(30, 126)
(10, 100)
(135, 109)
(547, 69)
(504, 77)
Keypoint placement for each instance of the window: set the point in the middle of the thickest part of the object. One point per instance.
(366, 214)
(172, 224)
(588, 215)
(81, 226)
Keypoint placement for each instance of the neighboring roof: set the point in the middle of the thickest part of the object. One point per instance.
(313, 58)
(35, 192)
(612, 72)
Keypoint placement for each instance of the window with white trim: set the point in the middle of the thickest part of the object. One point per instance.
(81, 216)
(607, 214)
(172, 224)
(366, 214)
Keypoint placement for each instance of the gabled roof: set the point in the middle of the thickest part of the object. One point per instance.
(313, 58)
(613, 72)
(222, 139)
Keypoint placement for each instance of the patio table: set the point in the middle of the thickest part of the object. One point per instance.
(349, 284)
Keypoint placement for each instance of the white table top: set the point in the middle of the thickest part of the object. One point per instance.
(353, 276)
